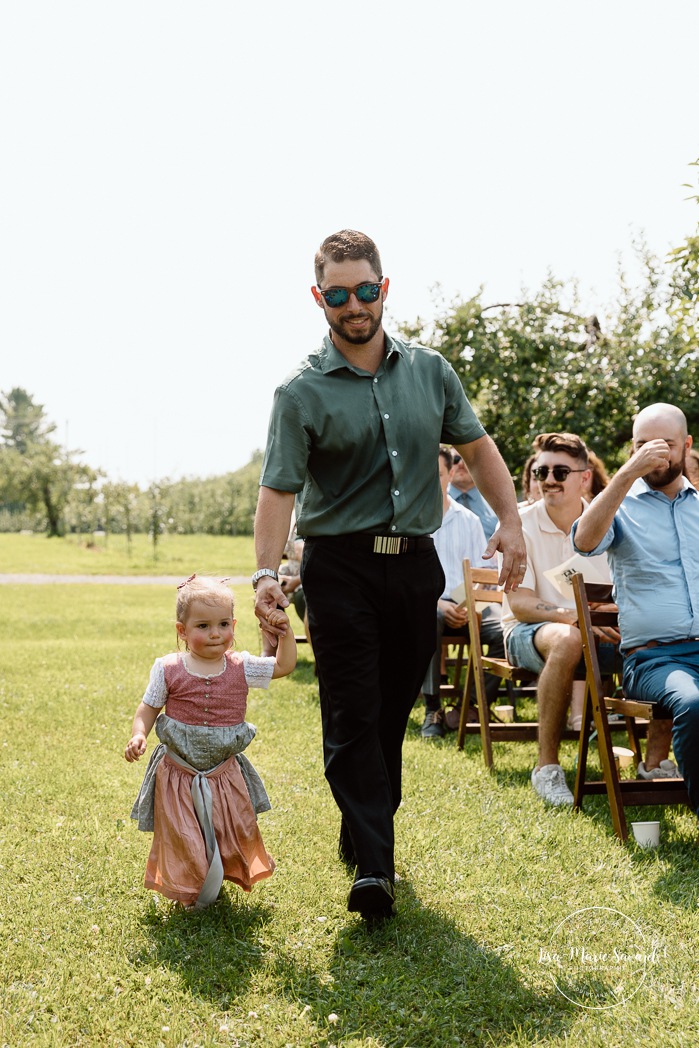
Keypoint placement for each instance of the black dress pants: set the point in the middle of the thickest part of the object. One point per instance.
(371, 619)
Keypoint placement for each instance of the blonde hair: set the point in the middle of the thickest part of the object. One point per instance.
(207, 590)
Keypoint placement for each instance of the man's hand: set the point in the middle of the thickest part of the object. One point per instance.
(509, 540)
(606, 633)
(289, 583)
(454, 616)
(654, 454)
(268, 597)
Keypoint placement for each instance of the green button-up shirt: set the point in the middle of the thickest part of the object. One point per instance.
(361, 449)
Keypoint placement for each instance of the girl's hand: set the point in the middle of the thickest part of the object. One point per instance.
(280, 619)
(136, 747)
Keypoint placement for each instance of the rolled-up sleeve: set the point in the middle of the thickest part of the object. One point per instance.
(602, 547)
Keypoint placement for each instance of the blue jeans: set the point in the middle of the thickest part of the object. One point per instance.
(669, 677)
(523, 652)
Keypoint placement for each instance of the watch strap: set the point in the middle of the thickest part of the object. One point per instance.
(259, 574)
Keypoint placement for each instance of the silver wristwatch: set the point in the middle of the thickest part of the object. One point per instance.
(263, 571)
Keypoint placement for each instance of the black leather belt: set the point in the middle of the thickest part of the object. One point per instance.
(661, 644)
(384, 544)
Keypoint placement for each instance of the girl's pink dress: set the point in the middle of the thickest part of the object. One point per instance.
(203, 730)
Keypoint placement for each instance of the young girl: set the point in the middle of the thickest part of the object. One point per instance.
(200, 795)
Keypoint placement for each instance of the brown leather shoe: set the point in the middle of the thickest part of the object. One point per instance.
(452, 716)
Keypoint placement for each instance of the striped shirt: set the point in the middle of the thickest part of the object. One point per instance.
(461, 535)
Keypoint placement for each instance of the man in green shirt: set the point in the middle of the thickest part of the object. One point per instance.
(353, 438)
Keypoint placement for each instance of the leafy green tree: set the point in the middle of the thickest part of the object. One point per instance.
(36, 474)
(24, 423)
(539, 365)
(684, 286)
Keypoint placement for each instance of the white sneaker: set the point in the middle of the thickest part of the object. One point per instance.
(550, 783)
(666, 770)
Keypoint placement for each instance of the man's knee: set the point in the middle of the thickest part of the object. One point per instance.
(562, 646)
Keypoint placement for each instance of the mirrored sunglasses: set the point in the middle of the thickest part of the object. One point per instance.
(338, 296)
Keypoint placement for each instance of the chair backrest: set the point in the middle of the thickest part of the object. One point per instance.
(485, 579)
(481, 589)
(587, 593)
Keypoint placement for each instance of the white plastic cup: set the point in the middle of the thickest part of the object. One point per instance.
(647, 834)
(623, 756)
(505, 713)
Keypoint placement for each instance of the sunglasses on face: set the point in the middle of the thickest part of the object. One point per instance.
(339, 296)
(560, 473)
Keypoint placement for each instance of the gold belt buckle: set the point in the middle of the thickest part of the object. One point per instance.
(390, 544)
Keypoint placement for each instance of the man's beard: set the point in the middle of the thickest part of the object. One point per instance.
(661, 479)
(356, 338)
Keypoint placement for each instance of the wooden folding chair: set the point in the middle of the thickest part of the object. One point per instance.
(621, 792)
(482, 588)
(454, 651)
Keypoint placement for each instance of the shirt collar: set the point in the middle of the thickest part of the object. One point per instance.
(330, 358)
(641, 487)
(545, 522)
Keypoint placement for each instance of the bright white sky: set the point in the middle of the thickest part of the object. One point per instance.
(170, 168)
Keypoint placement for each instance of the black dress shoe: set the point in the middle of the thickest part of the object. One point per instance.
(373, 897)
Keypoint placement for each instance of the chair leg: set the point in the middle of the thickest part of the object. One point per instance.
(484, 717)
(458, 669)
(583, 750)
(634, 739)
(609, 771)
(464, 705)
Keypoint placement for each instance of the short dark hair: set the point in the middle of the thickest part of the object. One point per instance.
(446, 454)
(569, 443)
(347, 244)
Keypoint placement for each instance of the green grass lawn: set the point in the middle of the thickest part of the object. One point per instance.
(89, 957)
(85, 555)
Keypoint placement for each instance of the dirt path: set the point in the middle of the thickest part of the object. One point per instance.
(102, 580)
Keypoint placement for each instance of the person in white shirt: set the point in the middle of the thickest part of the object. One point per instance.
(460, 535)
(539, 623)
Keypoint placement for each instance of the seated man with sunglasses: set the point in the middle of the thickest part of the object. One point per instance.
(354, 433)
(538, 622)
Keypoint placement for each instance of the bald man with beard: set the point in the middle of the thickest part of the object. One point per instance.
(647, 521)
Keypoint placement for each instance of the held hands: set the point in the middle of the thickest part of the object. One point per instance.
(508, 540)
(279, 619)
(136, 747)
(269, 599)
